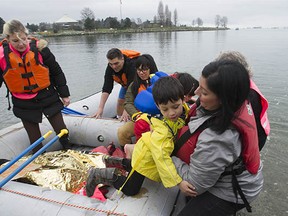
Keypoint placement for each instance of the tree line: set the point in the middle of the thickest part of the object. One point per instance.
(88, 22)
(163, 18)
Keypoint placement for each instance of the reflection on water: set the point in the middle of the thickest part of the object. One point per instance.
(83, 61)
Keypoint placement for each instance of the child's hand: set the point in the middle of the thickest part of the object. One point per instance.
(188, 189)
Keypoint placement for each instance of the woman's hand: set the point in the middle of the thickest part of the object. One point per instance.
(66, 101)
(98, 114)
(125, 116)
(187, 188)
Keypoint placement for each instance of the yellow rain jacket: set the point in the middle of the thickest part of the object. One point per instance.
(151, 154)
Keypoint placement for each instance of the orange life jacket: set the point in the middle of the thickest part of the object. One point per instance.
(26, 74)
(121, 80)
(130, 53)
(141, 88)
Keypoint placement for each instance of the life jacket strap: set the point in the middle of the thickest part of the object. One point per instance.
(33, 47)
(238, 170)
(180, 142)
(237, 189)
(8, 98)
(27, 75)
(235, 184)
(186, 135)
(6, 53)
(31, 87)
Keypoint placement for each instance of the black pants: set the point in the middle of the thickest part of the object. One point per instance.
(134, 183)
(34, 133)
(207, 204)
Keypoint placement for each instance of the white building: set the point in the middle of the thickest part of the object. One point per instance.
(66, 22)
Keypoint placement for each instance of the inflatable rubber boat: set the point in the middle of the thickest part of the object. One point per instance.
(20, 199)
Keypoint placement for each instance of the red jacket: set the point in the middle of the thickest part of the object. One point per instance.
(244, 123)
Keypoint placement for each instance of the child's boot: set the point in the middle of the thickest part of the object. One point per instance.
(111, 161)
(101, 176)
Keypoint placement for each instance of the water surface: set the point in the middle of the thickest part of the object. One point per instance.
(83, 61)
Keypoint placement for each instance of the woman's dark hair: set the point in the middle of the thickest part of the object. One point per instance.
(189, 83)
(144, 61)
(167, 89)
(229, 80)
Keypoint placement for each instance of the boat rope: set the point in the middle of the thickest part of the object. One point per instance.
(108, 212)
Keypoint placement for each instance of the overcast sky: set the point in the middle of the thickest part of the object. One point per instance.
(240, 13)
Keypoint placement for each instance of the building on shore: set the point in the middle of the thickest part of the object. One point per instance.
(67, 23)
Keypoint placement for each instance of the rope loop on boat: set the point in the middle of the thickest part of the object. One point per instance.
(108, 212)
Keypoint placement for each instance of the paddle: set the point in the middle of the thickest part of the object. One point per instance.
(40, 151)
(32, 146)
(67, 110)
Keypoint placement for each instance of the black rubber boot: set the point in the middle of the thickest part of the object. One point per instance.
(111, 161)
(101, 176)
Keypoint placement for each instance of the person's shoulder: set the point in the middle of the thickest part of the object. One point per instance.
(129, 67)
(109, 70)
(130, 86)
(231, 135)
(1, 52)
(41, 44)
(2, 44)
(255, 100)
(253, 95)
(129, 61)
(228, 141)
(159, 120)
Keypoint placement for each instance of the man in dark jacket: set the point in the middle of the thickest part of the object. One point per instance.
(120, 69)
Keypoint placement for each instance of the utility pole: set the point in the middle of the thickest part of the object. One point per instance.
(120, 10)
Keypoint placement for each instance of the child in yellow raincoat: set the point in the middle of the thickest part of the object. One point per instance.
(151, 155)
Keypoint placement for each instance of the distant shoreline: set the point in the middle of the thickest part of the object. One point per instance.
(120, 31)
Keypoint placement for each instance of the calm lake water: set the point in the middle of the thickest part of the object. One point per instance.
(83, 61)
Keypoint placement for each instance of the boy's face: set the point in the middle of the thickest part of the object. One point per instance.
(172, 110)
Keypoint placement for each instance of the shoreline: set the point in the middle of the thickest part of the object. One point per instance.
(121, 31)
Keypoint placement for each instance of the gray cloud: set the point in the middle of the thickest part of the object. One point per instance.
(264, 13)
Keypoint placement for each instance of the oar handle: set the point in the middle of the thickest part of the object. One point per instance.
(28, 149)
(62, 132)
(25, 163)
